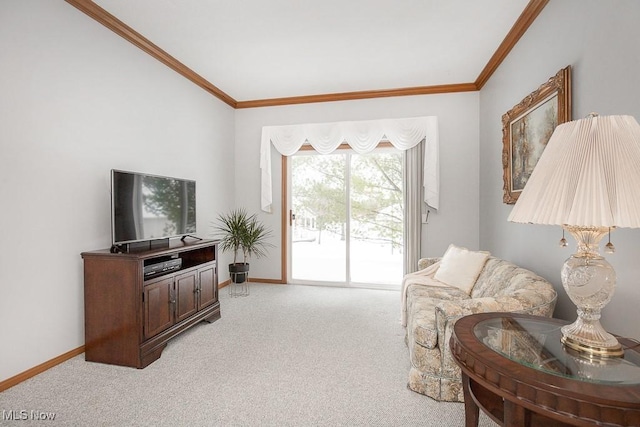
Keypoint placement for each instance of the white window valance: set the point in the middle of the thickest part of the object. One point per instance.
(362, 137)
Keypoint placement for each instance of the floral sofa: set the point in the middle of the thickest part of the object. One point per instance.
(431, 311)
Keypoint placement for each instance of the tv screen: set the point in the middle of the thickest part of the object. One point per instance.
(149, 207)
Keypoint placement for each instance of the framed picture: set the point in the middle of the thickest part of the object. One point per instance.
(527, 127)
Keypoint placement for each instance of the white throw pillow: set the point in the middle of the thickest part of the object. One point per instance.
(461, 267)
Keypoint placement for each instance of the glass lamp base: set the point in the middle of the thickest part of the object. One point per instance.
(589, 281)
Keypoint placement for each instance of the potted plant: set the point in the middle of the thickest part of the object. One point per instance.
(240, 232)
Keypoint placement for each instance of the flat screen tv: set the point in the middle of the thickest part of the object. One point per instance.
(149, 207)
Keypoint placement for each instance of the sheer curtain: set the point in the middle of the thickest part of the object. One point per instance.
(413, 179)
(422, 170)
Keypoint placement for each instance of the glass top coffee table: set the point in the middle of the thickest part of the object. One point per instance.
(516, 369)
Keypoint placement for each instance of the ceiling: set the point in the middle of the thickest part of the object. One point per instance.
(269, 49)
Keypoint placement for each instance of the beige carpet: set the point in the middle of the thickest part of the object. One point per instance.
(284, 356)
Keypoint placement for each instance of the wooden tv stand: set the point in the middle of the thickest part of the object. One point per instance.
(129, 317)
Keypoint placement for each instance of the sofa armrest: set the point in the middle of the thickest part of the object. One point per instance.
(448, 312)
(426, 262)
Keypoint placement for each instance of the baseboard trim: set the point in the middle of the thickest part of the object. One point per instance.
(8, 383)
(269, 281)
(254, 280)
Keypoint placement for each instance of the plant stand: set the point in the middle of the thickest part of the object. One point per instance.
(238, 289)
(239, 274)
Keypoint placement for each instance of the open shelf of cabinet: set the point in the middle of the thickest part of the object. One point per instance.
(129, 318)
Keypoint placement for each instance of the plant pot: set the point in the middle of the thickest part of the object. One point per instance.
(239, 272)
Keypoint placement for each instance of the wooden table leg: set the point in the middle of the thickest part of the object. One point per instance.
(515, 415)
(471, 410)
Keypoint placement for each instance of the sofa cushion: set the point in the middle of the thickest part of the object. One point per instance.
(460, 267)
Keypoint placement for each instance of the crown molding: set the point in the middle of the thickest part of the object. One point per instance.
(367, 94)
(527, 17)
(99, 14)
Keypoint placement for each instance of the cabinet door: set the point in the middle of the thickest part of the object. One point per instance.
(158, 306)
(187, 295)
(208, 286)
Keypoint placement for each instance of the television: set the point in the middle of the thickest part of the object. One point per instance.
(147, 208)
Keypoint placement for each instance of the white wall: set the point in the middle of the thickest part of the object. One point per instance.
(456, 221)
(76, 100)
(600, 41)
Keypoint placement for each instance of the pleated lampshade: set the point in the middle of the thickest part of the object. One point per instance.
(588, 175)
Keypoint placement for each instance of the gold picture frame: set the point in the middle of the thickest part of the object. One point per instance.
(527, 127)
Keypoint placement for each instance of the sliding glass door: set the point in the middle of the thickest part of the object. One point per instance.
(347, 218)
(318, 218)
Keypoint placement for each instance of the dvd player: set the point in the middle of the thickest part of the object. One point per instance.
(162, 267)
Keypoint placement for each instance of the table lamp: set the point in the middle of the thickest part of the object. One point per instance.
(587, 180)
